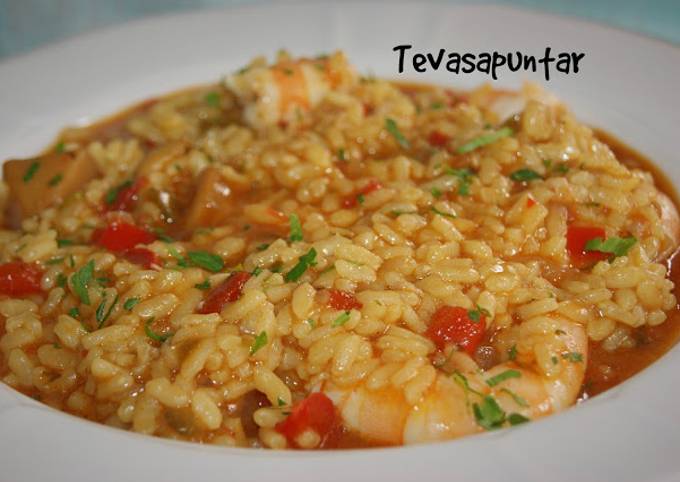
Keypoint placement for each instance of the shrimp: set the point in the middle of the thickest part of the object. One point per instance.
(670, 222)
(545, 377)
(280, 93)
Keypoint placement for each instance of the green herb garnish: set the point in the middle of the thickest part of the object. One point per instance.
(341, 320)
(464, 176)
(61, 280)
(393, 129)
(436, 105)
(60, 147)
(518, 400)
(341, 154)
(209, 261)
(112, 194)
(280, 402)
(517, 419)
(80, 279)
(260, 341)
(573, 357)
(305, 261)
(130, 303)
(442, 213)
(501, 377)
(256, 272)
(436, 192)
(205, 285)
(30, 172)
(262, 246)
(295, 228)
(488, 414)
(212, 99)
(615, 246)
(512, 352)
(524, 175)
(64, 242)
(361, 198)
(476, 314)
(152, 334)
(55, 180)
(102, 314)
(484, 140)
(74, 312)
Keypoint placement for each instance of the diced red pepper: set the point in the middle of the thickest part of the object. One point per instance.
(353, 200)
(142, 256)
(120, 236)
(128, 196)
(343, 300)
(316, 412)
(452, 324)
(438, 139)
(19, 279)
(229, 291)
(577, 238)
(530, 202)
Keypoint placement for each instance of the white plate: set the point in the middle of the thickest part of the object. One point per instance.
(627, 84)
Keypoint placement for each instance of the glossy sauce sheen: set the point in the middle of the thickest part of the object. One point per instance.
(605, 369)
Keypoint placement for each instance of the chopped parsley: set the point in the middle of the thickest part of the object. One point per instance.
(393, 129)
(259, 342)
(517, 419)
(102, 314)
(524, 175)
(152, 334)
(212, 99)
(462, 381)
(361, 198)
(464, 176)
(74, 312)
(501, 377)
(341, 154)
(436, 192)
(488, 413)
(484, 140)
(562, 168)
(160, 234)
(30, 172)
(112, 194)
(398, 212)
(64, 242)
(205, 260)
(476, 314)
(512, 352)
(310, 322)
(80, 279)
(55, 180)
(437, 105)
(130, 303)
(60, 147)
(518, 400)
(442, 213)
(205, 285)
(280, 402)
(615, 246)
(304, 262)
(341, 320)
(61, 280)
(573, 357)
(256, 272)
(490, 416)
(295, 228)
